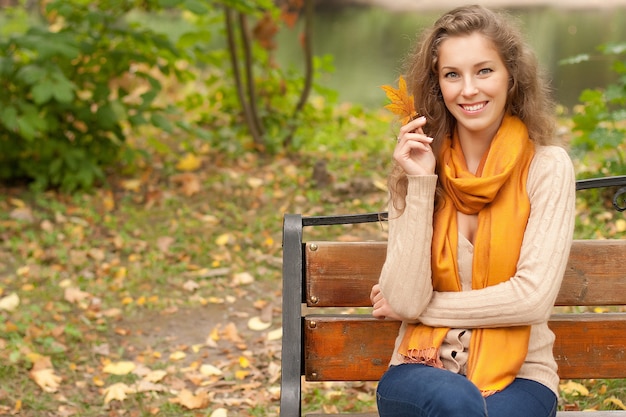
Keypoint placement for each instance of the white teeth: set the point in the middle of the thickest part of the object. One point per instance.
(474, 107)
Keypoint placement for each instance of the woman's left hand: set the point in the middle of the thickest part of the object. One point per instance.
(382, 309)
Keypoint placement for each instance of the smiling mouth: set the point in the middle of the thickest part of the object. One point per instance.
(474, 107)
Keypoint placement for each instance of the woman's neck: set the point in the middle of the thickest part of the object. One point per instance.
(475, 145)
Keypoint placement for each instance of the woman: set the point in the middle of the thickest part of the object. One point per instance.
(480, 225)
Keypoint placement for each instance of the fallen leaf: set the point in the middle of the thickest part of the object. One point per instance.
(46, 379)
(190, 286)
(155, 376)
(117, 392)
(244, 362)
(178, 355)
(10, 302)
(75, 295)
(189, 162)
(224, 239)
(275, 334)
(119, 368)
(210, 370)
(615, 401)
(256, 324)
(574, 388)
(189, 183)
(219, 412)
(22, 213)
(147, 386)
(254, 183)
(243, 278)
(191, 401)
(164, 243)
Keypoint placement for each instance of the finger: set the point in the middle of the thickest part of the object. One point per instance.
(413, 126)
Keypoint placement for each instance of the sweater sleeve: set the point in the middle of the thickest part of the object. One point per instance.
(528, 297)
(405, 279)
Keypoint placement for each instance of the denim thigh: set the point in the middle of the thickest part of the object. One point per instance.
(523, 398)
(422, 391)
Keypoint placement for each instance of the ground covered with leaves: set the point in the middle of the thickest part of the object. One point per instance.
(159, 294)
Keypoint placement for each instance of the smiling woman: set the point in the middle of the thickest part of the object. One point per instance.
(481, 220)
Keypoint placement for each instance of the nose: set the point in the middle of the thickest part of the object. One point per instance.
(469, 87)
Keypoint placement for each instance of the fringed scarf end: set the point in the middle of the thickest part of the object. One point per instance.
(428, 356)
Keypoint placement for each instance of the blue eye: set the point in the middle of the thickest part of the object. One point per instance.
(451, 75)
(485, 71)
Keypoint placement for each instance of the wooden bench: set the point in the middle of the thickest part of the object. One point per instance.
(331, 346)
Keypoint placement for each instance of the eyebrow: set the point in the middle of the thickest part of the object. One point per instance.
(477, 65)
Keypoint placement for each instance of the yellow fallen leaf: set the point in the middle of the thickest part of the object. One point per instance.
(75, 295)
(10, 302)
(574, 388)
(192, 401)
(155, 376)
(275, 334)
(119, 368)
(189, 162)
(219, 412)
(178, 355)
(131, 184)
(241, 374)
(46, 379)
(210, 370)
(244, 362)
(97, 381)
(117, 392)
(615, 401)
(224, 239)
(254, 182)
(256, 324)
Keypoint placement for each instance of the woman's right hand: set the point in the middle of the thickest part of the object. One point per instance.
(413, 151)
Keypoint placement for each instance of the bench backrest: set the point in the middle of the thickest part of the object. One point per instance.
(324, 344)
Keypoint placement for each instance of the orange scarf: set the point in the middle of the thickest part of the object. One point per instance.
(497, 193)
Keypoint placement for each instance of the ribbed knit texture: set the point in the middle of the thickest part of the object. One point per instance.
(527, 298)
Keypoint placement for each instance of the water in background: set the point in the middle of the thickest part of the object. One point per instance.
(368, 45)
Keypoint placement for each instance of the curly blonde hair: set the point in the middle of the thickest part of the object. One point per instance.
(528, 98)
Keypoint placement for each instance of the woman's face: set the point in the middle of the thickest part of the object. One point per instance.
(474, 82)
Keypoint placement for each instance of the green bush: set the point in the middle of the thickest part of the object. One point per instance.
(72, 83)
(601, 120)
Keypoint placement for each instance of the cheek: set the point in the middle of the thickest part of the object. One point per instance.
(449, 95)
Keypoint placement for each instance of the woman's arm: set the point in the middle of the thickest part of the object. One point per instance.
(528, 297)
(405, 281)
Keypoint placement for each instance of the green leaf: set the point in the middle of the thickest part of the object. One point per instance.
(575, 59)
(161, 122)
(8, 117)
(196, 6)
(31, 74)
(42, 91)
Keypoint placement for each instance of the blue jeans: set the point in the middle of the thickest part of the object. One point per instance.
(423, 391)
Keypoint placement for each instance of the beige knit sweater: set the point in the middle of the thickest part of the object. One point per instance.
(526, 299)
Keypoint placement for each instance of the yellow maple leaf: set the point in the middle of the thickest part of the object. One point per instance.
(178, 355)
(46, 379)
(192, 401)
(189, 162)
(574, 388)
(117, 392)
(615, 401)
(119, 368)
(401, 102)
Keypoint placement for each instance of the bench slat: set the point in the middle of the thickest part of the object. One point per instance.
(341, 274)
(358, 347)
